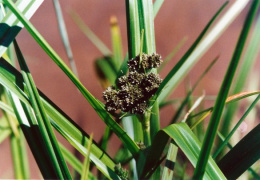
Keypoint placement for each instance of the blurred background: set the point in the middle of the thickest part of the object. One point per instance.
(176, 19)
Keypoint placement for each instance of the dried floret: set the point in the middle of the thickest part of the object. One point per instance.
(140, 108)
(135, 65)
(135, 78)
(122, 81)
(155, 60)
(151, 83)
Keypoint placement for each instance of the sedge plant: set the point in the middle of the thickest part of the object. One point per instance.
(134, 93)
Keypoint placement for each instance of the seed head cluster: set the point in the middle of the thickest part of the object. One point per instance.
(147, 62)
(134, 89)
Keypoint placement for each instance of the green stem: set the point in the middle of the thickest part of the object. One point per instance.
(146, 128)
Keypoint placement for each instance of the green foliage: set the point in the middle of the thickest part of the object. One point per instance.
(133, 94)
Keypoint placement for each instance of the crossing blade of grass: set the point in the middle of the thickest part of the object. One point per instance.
(235, 128)
(45, 127)
(19, 156)
(10, 119)
(243, 73)
(187, 142)
(89, 34)
(243, 155)
(31, 131)
(9, 25)
(193, 107)
(231, 99)
(222, 95)
(74, 162)
(116, 42)
(7, 109)
(60, 121)
(198, 49)
(185, 101)
(96, 104)
(170, 162)
(156, 7)
(18, 149)
(171, 55)
(64, 36)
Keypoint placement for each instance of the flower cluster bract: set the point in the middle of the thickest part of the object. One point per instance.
(134, 89)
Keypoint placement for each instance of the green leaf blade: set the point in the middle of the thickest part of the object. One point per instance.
(222, 95)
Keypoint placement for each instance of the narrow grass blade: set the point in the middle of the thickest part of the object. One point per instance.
(243, 155)
(246, 64)
(59, 120)
(123, 68)
(67, 128)
(18, 149)
(194, 106)
(5, 130)
(90, 34)
(187, 142)
(135, 133)
(198, 49)
(170, 162)
(19, 155)
(2, 13)
(9, 25)
(133, 28)
(145, 9)
(71, 159)
(171, 55)
(32, 134)
(155, 120)
(156, 7)
(74, 162)
(252, 171)
(236, 126)
(16, 157)
(222, 95)
(97, 105)
(231, 99)
(42, 119)
(10, 119)
(116, 42)
(64, 36)
(85, 168)
(106, 70)
(185, 101)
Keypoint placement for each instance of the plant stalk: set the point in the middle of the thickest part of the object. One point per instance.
(146, 128)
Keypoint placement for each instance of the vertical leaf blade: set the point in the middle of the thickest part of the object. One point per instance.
(222, 95)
